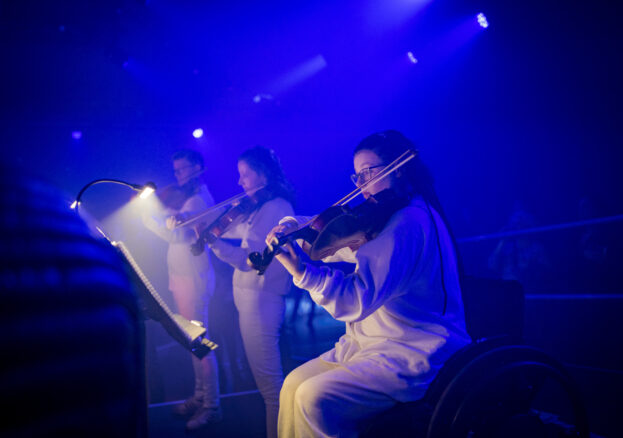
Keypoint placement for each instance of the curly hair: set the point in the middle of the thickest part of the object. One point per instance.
(415, 177)
(264, 161)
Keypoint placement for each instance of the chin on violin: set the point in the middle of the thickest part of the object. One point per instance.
(335, 228)
(339, 226)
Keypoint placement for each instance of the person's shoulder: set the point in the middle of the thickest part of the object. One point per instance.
(202, 195)
(204, 192)
(410, 219)
(416, 209)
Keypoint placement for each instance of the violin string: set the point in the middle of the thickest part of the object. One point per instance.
(210, 210)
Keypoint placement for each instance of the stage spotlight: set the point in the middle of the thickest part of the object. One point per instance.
(262, 96)
(412, 58)
(482, 20)
(198, 133)
(76, 135)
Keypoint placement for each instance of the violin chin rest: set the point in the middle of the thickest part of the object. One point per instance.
(197, 248)
(257, 262)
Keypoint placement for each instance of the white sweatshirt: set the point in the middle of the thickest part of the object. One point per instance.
(253, 231)
(392, 304)
(180, 261)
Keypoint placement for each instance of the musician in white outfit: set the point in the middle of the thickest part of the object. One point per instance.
(191, 278)
(402, 306)
(260, 300)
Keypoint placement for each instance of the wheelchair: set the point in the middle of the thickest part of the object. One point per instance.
(495, 387)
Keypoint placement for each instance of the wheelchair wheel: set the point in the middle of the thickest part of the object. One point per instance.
(510, 391)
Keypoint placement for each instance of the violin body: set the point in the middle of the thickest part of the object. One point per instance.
(172, 197)
(218, 227)
(339, 227)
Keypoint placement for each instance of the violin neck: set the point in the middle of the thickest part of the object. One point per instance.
(260, 262)
(305, 233)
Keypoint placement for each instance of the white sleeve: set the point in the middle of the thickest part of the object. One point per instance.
(156, 222)
(297, 220)
(383, 265)
(265, 219)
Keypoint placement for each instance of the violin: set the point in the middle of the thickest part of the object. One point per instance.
(172, 197)
(340, 226)
(241, 207)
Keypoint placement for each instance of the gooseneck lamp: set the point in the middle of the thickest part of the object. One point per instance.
(145, 190)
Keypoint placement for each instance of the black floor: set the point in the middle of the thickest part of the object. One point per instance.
(242, 417)
(170, 373)
(170, 380)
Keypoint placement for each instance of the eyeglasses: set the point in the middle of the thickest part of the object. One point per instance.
(365, 175)
(179, 170)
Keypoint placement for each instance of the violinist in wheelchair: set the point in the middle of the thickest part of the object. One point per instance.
(406, 340)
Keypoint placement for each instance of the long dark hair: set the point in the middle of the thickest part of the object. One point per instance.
(414, 178)
(264, 161)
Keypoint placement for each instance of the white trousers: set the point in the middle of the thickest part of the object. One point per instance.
(192, 303)
(261, 315)
(323, 399)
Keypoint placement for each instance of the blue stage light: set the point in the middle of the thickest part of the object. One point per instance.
(412, 58)
(198, 133)
(482, 20)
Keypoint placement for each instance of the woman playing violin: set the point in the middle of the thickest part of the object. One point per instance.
(191, 279)
(402, 305)
(260, 300)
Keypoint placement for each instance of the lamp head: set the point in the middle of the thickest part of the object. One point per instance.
(147, 190)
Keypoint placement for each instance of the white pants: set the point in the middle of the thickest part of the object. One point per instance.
(261, 316)
(323, 399)
(192, 303)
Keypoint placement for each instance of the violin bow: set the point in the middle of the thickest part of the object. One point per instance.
(400, 161)
(216, 207)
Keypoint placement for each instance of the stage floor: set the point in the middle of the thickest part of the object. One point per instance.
(243, 408)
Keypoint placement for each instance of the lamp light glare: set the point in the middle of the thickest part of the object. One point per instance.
(74, 205)
(412, 58)
(76, 135)
(198, 133)
(147, 191)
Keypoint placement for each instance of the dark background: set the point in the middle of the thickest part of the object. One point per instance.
(528, 109)
(524, 116)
